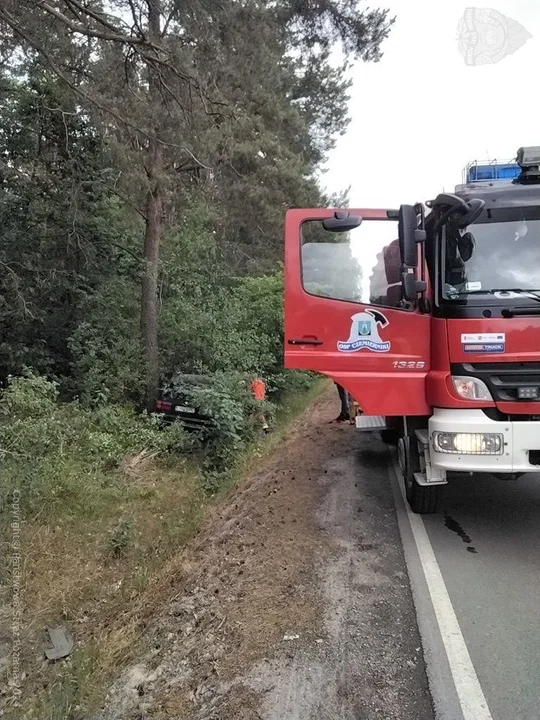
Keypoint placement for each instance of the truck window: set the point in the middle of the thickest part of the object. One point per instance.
(363, 265)
(500, 251)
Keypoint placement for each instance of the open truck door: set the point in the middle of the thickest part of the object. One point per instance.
(353, 304)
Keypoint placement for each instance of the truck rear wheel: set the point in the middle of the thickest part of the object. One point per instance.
(422, 500)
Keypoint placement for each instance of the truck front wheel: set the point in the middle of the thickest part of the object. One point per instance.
(390, 436)
(422, 500)
(393, 431)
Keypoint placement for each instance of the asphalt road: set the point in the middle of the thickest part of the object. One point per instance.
(478, 596)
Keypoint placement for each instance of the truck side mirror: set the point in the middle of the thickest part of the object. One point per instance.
(342, 222)
(456, 210)
(411, 286)
(409, 235)
(476, 208)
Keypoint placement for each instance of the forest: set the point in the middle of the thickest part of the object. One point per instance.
(149, 150)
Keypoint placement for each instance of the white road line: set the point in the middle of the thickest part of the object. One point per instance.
(471, 697)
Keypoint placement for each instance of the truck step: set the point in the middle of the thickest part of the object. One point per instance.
(368, 423)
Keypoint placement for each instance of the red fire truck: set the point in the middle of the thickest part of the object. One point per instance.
(443, 347)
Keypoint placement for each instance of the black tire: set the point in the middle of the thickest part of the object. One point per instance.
(390, 436)
(422, 500)
(393, 431)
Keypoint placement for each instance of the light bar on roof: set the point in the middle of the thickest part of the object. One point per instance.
(492, 171)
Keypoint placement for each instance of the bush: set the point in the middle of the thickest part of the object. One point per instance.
(212, 321)
(249, 334)
(60, 452)
(228, 400)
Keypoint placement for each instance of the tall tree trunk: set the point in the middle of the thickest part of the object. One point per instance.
(154, 223)
(152, 242)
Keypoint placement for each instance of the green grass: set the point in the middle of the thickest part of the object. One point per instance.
(93, 546)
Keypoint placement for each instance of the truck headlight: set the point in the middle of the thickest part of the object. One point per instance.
(471, 388)
(468, 443)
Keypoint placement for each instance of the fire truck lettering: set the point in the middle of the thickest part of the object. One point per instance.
(409, 364)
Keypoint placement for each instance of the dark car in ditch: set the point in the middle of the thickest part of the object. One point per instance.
(175, 402)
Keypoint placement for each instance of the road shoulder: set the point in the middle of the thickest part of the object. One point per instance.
(294, 600)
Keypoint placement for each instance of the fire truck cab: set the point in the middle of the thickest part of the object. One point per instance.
(443, 339)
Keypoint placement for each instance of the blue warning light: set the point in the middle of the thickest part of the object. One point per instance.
(492, 172)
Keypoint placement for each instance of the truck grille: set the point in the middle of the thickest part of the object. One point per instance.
(504, 379)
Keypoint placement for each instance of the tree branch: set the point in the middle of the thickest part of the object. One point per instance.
(54, 67)
(98, 17)
(122, 197)
(18, 293)
(127, 251)
(88, 32)
(116, 36)
(136, 20)
(168, 22)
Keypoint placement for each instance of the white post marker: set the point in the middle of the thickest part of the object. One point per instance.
(470, 694)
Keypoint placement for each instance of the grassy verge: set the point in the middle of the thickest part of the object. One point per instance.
(92, 545)
(287, 414)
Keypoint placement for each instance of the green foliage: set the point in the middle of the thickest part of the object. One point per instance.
(56, 453)
(318, 24)
(228, 400)
(290, 381)
(246, 108)
(122, 536)
(211, 321)
(104, 348)
(250, 334)
(54, 245)
(243, 138)
(194, 285)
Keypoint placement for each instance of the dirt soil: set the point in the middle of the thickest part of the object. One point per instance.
(293, 602)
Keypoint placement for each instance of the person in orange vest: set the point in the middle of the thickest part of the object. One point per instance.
(258, 388)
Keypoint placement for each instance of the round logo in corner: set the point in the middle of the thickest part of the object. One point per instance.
(486, 36)
(364, 334)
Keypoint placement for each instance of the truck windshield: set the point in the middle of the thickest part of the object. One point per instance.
(501, 251)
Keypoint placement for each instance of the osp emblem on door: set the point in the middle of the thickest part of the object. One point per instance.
(364, 333)
(364, 327)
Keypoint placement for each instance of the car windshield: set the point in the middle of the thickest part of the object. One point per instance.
(501, 251)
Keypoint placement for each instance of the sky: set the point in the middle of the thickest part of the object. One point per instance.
(421, 113)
